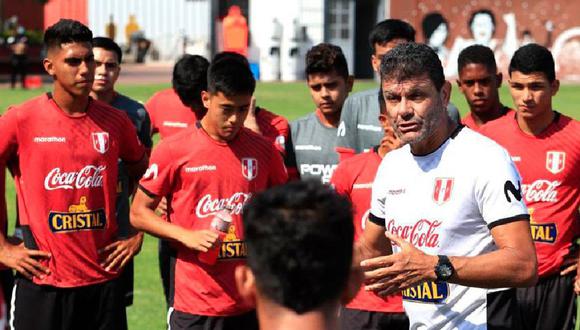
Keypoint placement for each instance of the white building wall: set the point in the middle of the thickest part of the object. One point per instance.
(307, 13)
(165, 22)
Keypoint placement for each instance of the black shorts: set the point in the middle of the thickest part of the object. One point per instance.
(128, 282)
(550, 304)
(99, 307)
(167, 257)
(357, 319)
(180, 320)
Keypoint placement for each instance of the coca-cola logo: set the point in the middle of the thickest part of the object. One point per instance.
(208, 206)
(421, 234)
(89, 176)
(541, 191)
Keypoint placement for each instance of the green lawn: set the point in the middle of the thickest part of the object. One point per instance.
(289, 99)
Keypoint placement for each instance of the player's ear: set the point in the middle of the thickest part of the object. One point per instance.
(48, 66)
(445, 93)
(205, 99)
(349, 83)
(499, 78)
(246, 283)
(555, 86)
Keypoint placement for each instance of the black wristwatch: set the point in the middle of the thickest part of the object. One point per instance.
(444, 269)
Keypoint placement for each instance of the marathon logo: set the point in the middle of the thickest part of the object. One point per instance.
(544, 232)
(78, 217)
(427, 292)
(232, 247)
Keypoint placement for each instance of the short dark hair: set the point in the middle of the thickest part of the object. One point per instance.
(326, 58)
(231, 55)
(382, 103)
(482, 11)
(190, 78)
(390, 29)
(230, 76)
(66, 31)
(410, 60)
(299, 238)
(108, 44)
(533, 58)
(477, 54)
(431, 22)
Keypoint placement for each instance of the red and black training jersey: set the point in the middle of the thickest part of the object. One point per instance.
(65, 177)
(200, 176)
(354, 178)
(549, 164)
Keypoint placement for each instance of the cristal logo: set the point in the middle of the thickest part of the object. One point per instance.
(208, 206)
(89, 176)
(541, 191)
(421, 234)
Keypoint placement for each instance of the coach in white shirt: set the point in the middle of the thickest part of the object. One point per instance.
(450, 202)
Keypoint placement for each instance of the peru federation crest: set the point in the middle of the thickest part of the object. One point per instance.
(442, 190)
(100, 141)
(555, 161)
(249, 168)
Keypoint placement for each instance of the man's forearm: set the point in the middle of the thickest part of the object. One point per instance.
(506, 267)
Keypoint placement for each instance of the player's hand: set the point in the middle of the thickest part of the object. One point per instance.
(23, 260)
(199, 240)
(577, 284)
(251, 122)
(570, 263)
(393, 273)
(390, 140)
(116, 255)
(161, 209)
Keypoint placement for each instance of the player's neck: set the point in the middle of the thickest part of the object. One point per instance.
(328, 119)
(104, 96)
(431, 143)
(275, 317)
(483, 117)
(72, 105)
(535, 125)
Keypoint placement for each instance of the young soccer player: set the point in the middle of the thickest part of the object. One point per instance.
(311, 150)
(353, 178)
(176, 108)
(108, 57)
(215, 164)
(479, 82)
(300, 239)
(66, 147)
(545, 147)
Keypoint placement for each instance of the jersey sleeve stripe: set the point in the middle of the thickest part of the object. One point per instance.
(519, 217)
(376, 220)
(147, 192)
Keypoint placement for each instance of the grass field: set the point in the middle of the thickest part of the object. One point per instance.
(289, 99)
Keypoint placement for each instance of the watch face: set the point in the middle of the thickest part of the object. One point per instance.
(445, 271)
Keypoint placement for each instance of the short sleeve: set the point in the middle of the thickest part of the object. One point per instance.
(290, 156)
(131, 148)
(498, 191)
(150, 108)
(378, 197)
(340, 180)
(144, 130)
(8, 135)
(159, 177)
(347, 132)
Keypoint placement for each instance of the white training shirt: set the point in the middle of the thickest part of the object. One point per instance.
(445, 203)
